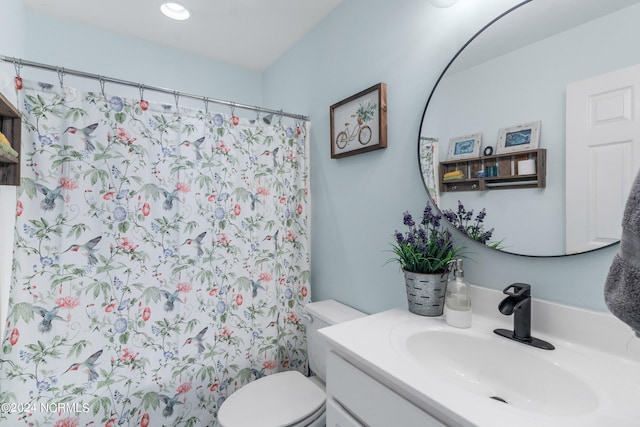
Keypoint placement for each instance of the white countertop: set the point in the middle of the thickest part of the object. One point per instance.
(603, 353)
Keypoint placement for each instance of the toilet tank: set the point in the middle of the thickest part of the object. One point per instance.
(323, 314)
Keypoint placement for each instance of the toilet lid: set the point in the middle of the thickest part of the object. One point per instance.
(276, 400)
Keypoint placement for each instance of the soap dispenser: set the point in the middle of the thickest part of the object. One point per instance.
(458, 299)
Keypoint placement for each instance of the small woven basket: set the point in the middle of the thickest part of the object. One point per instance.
(425, 292)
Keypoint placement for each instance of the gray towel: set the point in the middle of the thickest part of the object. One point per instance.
(622, 289)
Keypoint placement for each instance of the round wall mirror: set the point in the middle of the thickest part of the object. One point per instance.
(543, 85)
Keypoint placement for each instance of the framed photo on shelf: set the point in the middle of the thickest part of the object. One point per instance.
(465, 147)
(518, 138)
(359, 123)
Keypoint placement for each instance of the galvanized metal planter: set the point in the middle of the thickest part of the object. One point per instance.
(425, 292)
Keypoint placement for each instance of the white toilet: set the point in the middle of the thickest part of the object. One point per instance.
(289, 399)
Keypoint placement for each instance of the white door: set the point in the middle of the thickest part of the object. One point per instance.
(602, 156)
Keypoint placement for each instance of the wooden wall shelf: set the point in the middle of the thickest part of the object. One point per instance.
(11, 127)
(507, 178)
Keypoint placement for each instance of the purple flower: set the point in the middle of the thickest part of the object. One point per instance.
(25, 356)
(289, 132)
(116, 104)
(218, 120)
(120, 213)
(219, 212)
(461, 220)
(46, 261)
(408, 220)
(120, 325)
(486, 236)
(449, 216)
(45, 140)
(221, 307)
(427, 215)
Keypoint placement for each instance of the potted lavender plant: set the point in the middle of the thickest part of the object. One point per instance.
(424, 252)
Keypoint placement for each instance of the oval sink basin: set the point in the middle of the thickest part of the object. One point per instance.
(507, 372)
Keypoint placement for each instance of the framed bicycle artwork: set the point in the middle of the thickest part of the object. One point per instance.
(359, 123)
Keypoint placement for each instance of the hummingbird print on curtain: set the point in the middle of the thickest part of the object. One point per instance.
(161, 260)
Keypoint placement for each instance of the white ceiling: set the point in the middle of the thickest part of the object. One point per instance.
(516, 30)
(248, 33)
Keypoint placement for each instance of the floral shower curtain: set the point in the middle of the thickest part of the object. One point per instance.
(161, 261)
(429, 164)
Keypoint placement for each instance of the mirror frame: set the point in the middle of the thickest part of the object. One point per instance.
(424, 113)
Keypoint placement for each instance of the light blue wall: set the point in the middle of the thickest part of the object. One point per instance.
(12, 39)
(56, 42)
(358, 201)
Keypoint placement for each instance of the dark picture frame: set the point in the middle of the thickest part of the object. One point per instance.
(359, 123)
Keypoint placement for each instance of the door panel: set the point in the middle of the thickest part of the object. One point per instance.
(602, 156)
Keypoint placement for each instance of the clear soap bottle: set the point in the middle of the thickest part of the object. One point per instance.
(458, 299)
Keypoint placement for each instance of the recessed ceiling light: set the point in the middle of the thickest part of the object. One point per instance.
(175, 11)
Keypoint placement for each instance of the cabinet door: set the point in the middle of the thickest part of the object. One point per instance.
(338, 417)
(370, 401)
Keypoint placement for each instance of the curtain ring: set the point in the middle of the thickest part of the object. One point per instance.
(101, 80)
(258, 113)
(61, 74)
(141, 88)
(17, 79)
(176, 94)
(206, 105)
(233, 108)
(280, 117)
(17, 64)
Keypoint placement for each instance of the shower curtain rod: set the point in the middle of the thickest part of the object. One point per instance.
(17, 62)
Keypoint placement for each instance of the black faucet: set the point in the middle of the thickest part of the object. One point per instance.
(518, 303)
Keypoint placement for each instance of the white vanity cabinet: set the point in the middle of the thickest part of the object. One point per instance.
(356, 399)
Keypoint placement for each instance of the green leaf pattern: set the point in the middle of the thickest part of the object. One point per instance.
(161, 261)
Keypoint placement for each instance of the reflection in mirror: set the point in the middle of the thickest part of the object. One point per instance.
(508, 76)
